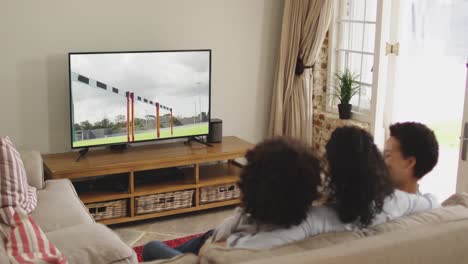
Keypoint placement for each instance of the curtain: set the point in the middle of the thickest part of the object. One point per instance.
(305, 24)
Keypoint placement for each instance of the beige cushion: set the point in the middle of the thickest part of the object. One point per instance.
(91, 243)
(59, 207)
(216, 254)
(181, 259)
(434, 216)
(445, 243)
(14, 188)
(457, 199)
(34, 169)
(455, 208)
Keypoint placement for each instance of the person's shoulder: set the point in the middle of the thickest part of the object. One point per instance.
(418, 199)
(322, 213)
(433, 199)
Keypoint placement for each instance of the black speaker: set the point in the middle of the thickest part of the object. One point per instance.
(216, 131)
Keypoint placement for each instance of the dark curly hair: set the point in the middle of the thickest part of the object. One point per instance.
(418, 141)
(358, 180)
(279, 182)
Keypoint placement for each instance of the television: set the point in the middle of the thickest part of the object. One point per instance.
(127, 97)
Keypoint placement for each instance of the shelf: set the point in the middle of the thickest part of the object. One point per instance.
(168, 213)
(113, 221)
(218, 174)
(218, 204)
(156, 188)
(102, 196)
(187, 181)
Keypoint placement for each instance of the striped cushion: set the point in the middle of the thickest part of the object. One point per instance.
(14, 187)
(25, 242)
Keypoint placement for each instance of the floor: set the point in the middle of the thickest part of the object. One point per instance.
(172, 227)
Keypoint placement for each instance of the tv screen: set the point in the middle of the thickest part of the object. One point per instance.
(125, 97)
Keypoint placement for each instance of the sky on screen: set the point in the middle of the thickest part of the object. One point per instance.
(176, 79)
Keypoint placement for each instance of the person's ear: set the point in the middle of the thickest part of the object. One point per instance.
(411, 162)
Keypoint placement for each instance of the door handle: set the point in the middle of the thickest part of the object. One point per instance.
(464, 142)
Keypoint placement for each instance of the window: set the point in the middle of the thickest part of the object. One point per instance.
(352, 46)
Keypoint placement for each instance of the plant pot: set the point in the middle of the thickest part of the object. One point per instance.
(345, 111)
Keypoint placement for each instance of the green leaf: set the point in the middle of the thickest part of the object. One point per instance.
(345, 87)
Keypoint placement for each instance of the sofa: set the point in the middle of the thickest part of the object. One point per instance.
(436, 236)
(444, 242)
(67, 223)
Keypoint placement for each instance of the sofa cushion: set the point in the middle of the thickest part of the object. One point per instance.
(59, 206)
(444, 243)
(14, 188)
(33, 165)
(457, 199)
(434, 216)
(453, 210)
(92, 243)
(24, 241)
(217, 254)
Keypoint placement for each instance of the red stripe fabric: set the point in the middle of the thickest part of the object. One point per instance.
(26, 243)
(22, 234)
(39, 238)
(14, 187)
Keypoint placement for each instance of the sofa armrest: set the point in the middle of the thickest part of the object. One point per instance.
(34, 168)
(90, 244)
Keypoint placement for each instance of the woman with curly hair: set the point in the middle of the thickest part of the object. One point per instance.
(360, 193)
(278, 185)
(360, 186)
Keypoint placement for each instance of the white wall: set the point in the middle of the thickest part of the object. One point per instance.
(35, 37)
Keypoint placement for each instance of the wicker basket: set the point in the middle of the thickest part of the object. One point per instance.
(106, 210)
(163, 202)
(219, 193)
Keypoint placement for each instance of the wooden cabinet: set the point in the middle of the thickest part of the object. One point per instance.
(200, 167)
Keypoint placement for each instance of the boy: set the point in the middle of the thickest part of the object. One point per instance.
(410, 153)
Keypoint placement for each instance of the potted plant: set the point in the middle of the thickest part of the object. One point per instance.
(346, 87)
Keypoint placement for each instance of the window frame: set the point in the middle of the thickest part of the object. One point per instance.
(333, 42)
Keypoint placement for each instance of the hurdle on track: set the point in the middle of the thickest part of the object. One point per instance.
(130, 98)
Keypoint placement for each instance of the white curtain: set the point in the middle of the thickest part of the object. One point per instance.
(305, 24)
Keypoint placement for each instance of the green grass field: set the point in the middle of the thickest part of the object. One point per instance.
(165, 133)
(447, 133)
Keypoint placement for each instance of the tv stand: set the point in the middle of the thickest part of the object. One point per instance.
(199, 140)
(203, 168)
(119, 147)
(82, 153)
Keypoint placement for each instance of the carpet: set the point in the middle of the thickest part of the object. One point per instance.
(171, 243)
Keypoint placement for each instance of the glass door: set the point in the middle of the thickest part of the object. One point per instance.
(426, 79)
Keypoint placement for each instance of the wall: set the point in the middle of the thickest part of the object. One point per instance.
(35, 37)
(325, 122)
